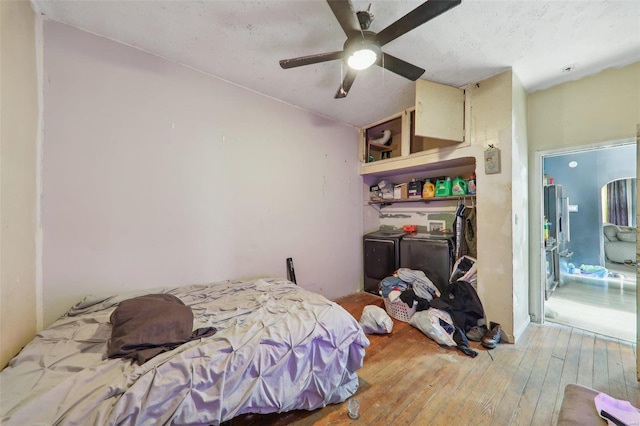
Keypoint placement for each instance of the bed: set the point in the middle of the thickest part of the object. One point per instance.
(277, 348)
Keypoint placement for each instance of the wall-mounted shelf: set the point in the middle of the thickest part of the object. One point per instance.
(384, 203)
(380, 147)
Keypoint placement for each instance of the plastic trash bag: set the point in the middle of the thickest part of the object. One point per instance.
(436, 324)
(375, 320)
(465, 269)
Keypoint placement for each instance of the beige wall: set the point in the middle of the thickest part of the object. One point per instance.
(520, 206)
(594, 110)
(491, 124)
(18, 134)
(603, 107)
(159, 175)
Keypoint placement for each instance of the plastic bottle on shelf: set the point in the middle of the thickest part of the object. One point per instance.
(546, 229)
(428, 189)
(443, 187)
(459, 186)
(471, 184)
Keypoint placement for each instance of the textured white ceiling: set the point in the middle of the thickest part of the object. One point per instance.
(242, 42)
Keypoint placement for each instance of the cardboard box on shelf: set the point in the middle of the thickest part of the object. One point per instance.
(400, 192)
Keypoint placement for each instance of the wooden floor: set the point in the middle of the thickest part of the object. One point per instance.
(409, 379)
(601, 305)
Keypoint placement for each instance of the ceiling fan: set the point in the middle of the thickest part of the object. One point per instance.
(363, 48)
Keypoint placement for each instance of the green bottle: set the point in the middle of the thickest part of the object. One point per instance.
(459, 186)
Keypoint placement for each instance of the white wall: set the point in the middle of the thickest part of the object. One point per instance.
(594, 110)
(520, 207)
(18, 189)
(159, 175)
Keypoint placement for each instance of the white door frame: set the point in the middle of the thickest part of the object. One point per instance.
(637, 258)
(536, 246)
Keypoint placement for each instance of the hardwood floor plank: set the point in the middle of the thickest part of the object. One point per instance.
(585, 367)
(569, 368)
(617, 383)
(399, 395)
(394, 369)
(549, 394)
(510, 399)
(531, 392)
(560, 347)
(450, 408)
(628, 358)
(551, 387)
(409, 379)
(427, 403)
(600, 363)
(494, 380)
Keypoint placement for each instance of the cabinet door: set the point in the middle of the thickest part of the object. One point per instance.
(439, 111)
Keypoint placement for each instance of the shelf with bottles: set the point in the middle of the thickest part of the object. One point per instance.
(390, 201)
(425, 190)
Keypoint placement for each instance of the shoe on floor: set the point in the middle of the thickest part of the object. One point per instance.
(492, 337)
(477, 332)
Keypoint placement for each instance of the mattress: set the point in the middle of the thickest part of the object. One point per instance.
(277, 348)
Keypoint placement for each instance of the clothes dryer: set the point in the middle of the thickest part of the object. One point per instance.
(381, 257)
(431, 253)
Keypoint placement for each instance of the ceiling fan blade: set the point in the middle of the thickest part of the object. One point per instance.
(343, 90)
(400, 67)
(418, 16)
(347, 18)
(311, 59)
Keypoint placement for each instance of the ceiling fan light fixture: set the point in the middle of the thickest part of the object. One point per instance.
(361, 52)
(362, 59)
(363, 47)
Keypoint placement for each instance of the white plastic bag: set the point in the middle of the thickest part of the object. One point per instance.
(429, 323)
(375, 320)
(465, 269)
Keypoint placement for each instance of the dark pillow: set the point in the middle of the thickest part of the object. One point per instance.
(148, 325)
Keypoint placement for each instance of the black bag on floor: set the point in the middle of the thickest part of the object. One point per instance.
(462, 302)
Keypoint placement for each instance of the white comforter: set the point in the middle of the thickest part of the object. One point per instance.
(278, 348)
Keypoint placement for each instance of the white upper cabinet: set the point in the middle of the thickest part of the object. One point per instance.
(439, 111)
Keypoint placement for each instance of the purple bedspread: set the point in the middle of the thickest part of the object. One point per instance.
(278, 348)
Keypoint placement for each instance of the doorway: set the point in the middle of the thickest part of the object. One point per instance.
(590, 291)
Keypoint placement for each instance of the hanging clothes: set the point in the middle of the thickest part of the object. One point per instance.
(470, 232)
(459, 231)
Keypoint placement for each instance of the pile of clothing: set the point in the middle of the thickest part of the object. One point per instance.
(451, 317)
(411, 287)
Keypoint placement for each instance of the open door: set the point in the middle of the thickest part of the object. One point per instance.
(638, 258)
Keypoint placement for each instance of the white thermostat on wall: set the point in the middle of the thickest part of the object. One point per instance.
(492, 160)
